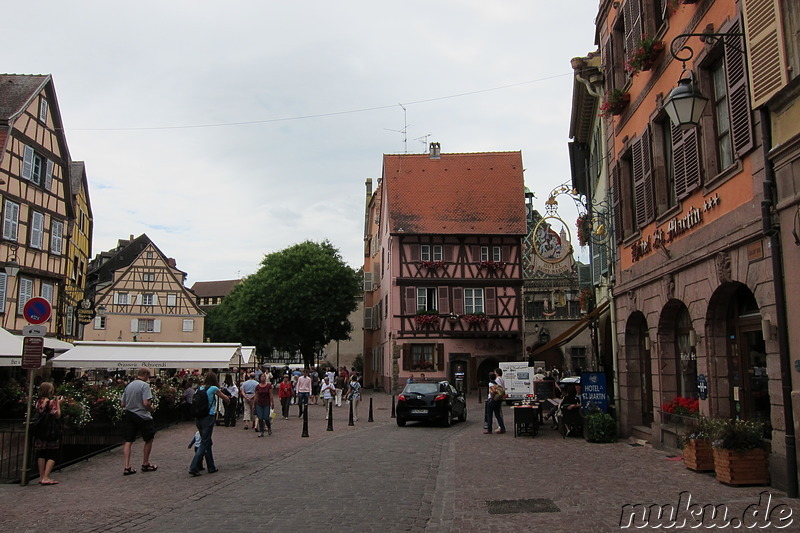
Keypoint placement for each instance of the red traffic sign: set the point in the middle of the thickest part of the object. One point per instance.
(32, 352)
(37, 310)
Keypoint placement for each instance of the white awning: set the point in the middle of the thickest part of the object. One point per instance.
(10, 345)
(53, 344)
(129, 355)
(248, 355)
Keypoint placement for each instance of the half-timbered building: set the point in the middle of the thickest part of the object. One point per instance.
(140, 295)
(37, 201)
(443, 266)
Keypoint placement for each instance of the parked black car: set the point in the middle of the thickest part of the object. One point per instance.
(431, 401)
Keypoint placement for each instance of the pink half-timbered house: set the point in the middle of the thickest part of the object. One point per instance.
(443, 267)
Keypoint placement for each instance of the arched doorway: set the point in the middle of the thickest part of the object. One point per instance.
(487, 365)
(639, 368)
(677, 341)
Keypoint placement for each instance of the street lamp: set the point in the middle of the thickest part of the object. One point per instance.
(685, 103)
(12, 266)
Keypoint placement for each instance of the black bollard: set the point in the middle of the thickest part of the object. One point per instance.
(350, 422)
(305, 422)
(393, 413)
(330, 415)
(370, 419)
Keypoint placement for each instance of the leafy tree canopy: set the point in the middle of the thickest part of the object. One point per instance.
(300, 296)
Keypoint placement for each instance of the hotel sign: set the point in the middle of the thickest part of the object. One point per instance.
(675, 228)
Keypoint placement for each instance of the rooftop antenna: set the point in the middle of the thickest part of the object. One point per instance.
(404, 131)
(424, 141)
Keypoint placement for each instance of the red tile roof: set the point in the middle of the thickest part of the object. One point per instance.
(477, 193)
(207, 289)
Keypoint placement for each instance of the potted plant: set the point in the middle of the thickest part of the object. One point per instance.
(432, 265)
(614, 103)
(600, 427)
(740, 453)
(584, 224)
(680, 408)
(475, 319)
(644, 55)
(426, 318)
(698, 455)
(492, 265)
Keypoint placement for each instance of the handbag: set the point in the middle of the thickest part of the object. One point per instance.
(272, 414)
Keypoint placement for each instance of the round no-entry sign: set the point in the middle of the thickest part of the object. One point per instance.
(37, 310)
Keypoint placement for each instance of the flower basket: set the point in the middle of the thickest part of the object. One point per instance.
(644, 55)
(426, 320)
(615, 103)
(432, 265)
(476, 320)
(741, 468)
(698, 455)
(584, 225)
(492, 266)
(682, 407)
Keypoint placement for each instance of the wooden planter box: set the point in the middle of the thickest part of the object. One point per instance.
(698, 455)
(741, 468)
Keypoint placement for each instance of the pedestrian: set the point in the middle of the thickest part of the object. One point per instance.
(205, 425)
(493, 406)
(248, 391)
(354, 394)
(232, 391)
(138, 419)
(410, 379)
(47, 446)
(328, 392)
(285, 392)
(498, 372)
(303, 391)
(315, 385)
(264, 403)
(187, 395)
(339, 383)
(195, 442)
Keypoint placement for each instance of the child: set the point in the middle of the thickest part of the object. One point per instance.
(195, 442)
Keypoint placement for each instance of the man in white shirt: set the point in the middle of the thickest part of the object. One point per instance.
(248, 391)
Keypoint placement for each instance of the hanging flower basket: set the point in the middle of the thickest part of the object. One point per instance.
(584, 225)
(644, 55)
(615, 103)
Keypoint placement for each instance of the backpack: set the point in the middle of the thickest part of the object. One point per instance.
(45, 426)
(200, 406)
(499, 393)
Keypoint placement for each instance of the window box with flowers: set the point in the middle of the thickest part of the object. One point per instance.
(492, 266)
(644, 55)
(427, 319)
(475, 320)
(584, 224)
(432, 265)
(614, 103)
(680, 408)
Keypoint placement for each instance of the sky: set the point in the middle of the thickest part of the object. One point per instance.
(227, 131)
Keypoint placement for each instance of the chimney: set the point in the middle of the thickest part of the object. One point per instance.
(369, 187)
(435, 151)
(171, 262)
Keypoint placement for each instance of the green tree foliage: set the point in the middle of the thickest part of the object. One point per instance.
(300, 296)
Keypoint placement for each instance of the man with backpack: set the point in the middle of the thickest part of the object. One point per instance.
(494, 404)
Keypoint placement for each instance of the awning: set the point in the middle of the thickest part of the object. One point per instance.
(127, 355)
(10, 345)
(572, 331)
(248, 356)
(54, 344)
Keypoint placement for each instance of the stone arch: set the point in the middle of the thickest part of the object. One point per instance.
(636, 377)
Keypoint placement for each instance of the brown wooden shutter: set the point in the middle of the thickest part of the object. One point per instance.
(632, 14)
(414, 252)
(686, 160)
(616, 193)
(643, 179)
(739, 99)
(444, 300)
(507, 254)
(608, 64)
(448, 253)
(476, 254)
(440, 357)
(765, 49)
(490, 303)
(458, 300)
(406, 356)
(411, 300)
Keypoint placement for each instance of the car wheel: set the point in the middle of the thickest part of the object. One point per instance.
(401, 422)
(463, 416)
(448, 418)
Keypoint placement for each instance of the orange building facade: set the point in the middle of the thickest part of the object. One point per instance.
(694, 287)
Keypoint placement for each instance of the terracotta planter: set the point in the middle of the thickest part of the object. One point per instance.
(741, 468)
(698, 455)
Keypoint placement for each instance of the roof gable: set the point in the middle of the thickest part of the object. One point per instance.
(207, 289)
(475, 193)
(17, 90)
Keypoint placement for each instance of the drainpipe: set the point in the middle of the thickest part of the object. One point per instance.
(773, 232)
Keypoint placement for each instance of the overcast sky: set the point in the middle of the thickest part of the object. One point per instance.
(230, 130)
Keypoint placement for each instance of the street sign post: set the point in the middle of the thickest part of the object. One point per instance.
(34, 331)
(37, 310)
(32, 352)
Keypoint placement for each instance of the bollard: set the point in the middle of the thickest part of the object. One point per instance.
(350, 422)
(330, 415)
(393, 413)
(305, 422)
(370, 419)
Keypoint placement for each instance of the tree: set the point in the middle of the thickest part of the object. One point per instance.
(299, 297)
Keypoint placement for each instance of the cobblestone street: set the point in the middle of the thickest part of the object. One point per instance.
(369, 477)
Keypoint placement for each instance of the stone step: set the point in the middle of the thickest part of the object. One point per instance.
(641, 435)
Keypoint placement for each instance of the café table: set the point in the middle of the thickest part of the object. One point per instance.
(526, 420)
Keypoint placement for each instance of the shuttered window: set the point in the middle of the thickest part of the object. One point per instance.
(642, 163)
(188, 324)
(473, 301)
(43, 110)
(37, 227)
(10, 220)
(25, 293)
(686, 159)
(616, 194)
(738, 97)
(3, 286)
(47, 292)
(765, 52)
(56, 237)
(632, 15)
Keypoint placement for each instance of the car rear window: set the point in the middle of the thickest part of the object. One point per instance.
(422, 388)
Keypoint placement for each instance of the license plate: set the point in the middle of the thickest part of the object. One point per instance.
(419, 411)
